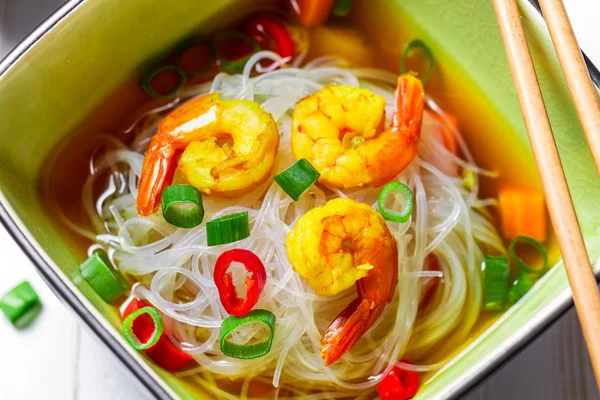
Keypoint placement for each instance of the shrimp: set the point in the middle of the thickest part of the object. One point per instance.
(340, 131)
(229, 148)
(335, 246)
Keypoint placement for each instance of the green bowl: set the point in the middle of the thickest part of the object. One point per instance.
(88, 49)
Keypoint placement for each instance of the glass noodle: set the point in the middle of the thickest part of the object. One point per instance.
(174, 266)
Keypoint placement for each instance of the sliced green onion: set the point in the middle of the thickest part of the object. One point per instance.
(131, 337)
(185, 45)
(495, 282)
(248, 351)
(519, 287)
(342, 8)
(228, 229)
(297, 178)
(105, 279)
(182, 206)
(391, 215)
(21, 304)
(150, 75)
(417, 44)
(520, 263)
(236, 65)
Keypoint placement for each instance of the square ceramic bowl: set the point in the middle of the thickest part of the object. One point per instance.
(87, 49)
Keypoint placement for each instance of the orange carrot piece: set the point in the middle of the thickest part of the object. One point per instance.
(312, 12)
(522, 212)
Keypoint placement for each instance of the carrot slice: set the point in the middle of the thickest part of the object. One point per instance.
(312, 12)
(522, 213)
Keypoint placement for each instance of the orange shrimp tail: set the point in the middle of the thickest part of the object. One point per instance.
(349, 326)
(157, 173)
(408, 106)
(160, 161)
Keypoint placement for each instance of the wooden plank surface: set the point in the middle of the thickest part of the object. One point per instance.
(74, 366)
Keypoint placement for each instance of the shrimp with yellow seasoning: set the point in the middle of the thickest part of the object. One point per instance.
(335, 246)
(340, 131)
(225, 148)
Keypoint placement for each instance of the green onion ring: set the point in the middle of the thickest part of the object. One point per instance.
(173, 197)
(520, 263)
(521, 286)
(186, 44)
(297, 178)
(235, 66)
(131, 337)
(228, 229)
(21, 304)
(147, 81)
(405, 192)
(417, 43)
(495, 282)
(247, 352)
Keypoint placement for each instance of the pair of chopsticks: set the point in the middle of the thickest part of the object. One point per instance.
(558, 198)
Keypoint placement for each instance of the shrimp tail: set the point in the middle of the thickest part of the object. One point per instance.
(349, 326)
(157, 173)
(409, 101)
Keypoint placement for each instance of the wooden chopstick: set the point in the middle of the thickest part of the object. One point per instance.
(558, 198)
(576, 73)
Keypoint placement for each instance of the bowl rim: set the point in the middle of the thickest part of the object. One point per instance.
(562, 304)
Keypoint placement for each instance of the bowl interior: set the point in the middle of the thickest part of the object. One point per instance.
(101, 45)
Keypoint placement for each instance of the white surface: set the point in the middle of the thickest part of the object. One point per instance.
(54, 359)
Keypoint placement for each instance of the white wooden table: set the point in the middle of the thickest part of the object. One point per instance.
(55, 359)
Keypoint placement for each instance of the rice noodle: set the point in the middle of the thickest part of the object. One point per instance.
(174, 266)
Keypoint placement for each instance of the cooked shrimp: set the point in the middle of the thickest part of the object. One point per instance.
(203, 130)
(336, 245)
(340, 131)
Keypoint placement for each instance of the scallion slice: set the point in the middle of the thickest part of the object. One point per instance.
(407, 196)
(228, 229)
(131, 337)
(150, 75)
(417, 44)
(189, 44)
(522, 264)
(495, 282)
(234, 49)
(21, 305)
(249, 351)
(342, 8)
(182, 206)
(519, 287)
(297, 178)
(105, 279)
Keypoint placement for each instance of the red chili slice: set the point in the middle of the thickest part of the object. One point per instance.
(399, 384)
(163, 353)
(272, 35)
(254, 283)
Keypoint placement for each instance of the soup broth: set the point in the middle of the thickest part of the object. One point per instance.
(373, 35)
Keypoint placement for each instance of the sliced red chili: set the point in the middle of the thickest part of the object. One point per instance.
(163, 353)
(399, 384)
(255, 282)
(272, 35)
